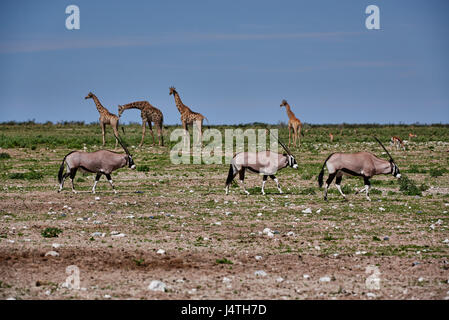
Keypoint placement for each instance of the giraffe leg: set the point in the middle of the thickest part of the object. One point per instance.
(295, 135)
(289, 134)
(299, 135)
(151, 130)
(160, 134)
(143, 132)
(103, 129)
(115, 128)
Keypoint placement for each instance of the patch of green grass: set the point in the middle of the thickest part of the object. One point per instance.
(223, 261)
(143, 168)
(4, 156)
(51, 232)
(408, 187)
(30, 175)
(436, 172)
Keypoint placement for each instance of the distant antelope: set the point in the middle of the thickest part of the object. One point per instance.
(263, 162)
(99, 162)
(411, 135)
(331, 136)
(397, 142)
(362, 164)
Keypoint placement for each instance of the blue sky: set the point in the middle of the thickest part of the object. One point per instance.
(233, 61)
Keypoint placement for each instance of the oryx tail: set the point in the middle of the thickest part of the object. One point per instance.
(61, 168)
(321, 175)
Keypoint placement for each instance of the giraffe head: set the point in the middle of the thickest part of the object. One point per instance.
(120, 110)
(172, 91)
(90, 95)
(283, 103)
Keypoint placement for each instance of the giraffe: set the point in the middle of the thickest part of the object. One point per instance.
(105, 117)
(187, 115)
(149, 114)
(293, 124)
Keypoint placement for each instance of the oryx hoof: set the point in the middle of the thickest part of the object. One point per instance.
(368, 198)
(74, 191)
(325, 198)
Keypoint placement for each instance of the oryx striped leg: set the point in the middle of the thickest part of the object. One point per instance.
(96, 181)
(277, 183)
(328, 183)
(242, 178)
(61, 185)
(367, 187)
(108, 176)
(337, 184)
(72, 177)
(263, 183)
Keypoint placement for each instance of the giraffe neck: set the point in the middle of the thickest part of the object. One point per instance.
(100, 108)
(132, 106)
(290, 114)
(179, 103)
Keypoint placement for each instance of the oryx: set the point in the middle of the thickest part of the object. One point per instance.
(362, 164)
(99, 162)
(262, 162)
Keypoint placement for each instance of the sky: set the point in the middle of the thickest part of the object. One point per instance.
(232, 61)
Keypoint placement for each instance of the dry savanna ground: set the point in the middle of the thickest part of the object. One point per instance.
(174, 223)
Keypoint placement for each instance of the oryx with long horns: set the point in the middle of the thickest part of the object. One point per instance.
(266, 163)
(101, 162)
(362, 164)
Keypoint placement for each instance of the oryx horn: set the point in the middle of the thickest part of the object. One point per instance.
(122, 144)
(283, 145)
(391, 158)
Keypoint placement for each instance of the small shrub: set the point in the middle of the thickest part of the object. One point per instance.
(51, 232)
(143, 168)
(307, 191)
(375, 191)
(408, 187)
(4, 156)
(436, 172)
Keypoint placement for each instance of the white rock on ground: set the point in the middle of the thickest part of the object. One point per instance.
(52, 253)
(308, 210)
(120, 235)
(226, 280)
(157, 285)
(258, 257)
(279, 279)
(260, 273)
(56, 245)
(325, 279)
(160, 251)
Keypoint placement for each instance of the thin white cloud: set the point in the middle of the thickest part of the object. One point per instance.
(53, 45)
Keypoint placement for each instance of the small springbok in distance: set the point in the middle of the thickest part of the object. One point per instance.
(397, 142)
(262, 162)
(99, 162)
(411, 135)
(331, 136)
(361, 164)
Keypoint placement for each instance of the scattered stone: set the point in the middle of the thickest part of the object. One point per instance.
(160, 251)
(226, 280)
(52, 254)
(266, 230)
(97, 198)
(381, 209)
(290, 233)
(279, 279)
(259, 214)
(415, 263)
(120, 235)
(107, 296)
(446, 241)
(306, 276)
(228, 213)
(325, 279)
(420, 279)
(308, 210)
(386, 238)
(157, 285)
(260, 273)
(319, 210)
(56, 245)
(98, 234)
(370, 295)
(258, 257)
